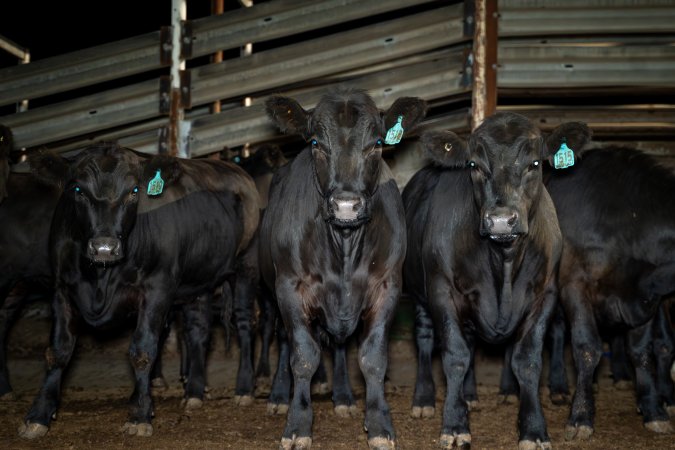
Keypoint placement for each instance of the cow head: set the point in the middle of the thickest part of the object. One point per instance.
(346, 133)
(5, 148)
(101, 189)
(504, 156)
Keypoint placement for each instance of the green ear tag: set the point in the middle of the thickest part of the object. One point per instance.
(564, 157)
(395, 133)
(156, 185)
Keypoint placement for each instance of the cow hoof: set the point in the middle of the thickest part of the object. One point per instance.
(192, 403)
(7, 397)
(243, 400)
(423, 412)
(659, 426)
(347, 411)
(508, 399)
(531, 445)
(296, 443)
(581, 432)
(473, 405)
(277, 408)
(560, 399)
(671, 411)
(137, 429)
(381, 443)
(462, 440)
(320, 389)
(263, 386)
(159, 383)
(623, 385)
(32, 430)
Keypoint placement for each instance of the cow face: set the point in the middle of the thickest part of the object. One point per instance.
(504, 156)
(101, 190)
(346, 135)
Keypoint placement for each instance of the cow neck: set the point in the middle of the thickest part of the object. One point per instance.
(503, 259)
(346, 245)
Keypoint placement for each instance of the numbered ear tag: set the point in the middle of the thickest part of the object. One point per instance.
(156, 185)
(395, 133)
(564, 157)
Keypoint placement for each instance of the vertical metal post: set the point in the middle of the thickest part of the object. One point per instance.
(484, 94)
(217, 8)
(246, 50)
(177, 127)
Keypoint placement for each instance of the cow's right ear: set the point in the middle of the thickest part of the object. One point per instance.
(288, 115)
(445, 149)
(167, 167)
(49, 168)
(575, 135)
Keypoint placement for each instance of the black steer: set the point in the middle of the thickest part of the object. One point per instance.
(119, 254)
(483, 249)
(332, 244)
(617, 216)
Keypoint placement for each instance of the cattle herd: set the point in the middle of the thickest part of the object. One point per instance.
(510, 236)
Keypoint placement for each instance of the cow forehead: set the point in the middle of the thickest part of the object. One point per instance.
(346, 119)
(108, 165)
(505, 139)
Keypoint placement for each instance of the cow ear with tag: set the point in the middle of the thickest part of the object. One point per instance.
(288, 115)
(49, 168)
(160, 171)
(402, 117)
(445, 149)
(566, 143)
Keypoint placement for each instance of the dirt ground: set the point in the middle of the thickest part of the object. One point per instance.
(93, 406)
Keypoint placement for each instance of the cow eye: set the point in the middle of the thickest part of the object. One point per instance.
(378, 143)
(77, 189)
(534, 164)
(471, 164)
(314, 142)
(134, 190)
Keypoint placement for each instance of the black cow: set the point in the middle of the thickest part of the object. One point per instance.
(332, 244)
(617, 216)
(483, 250)
(6, 143)
(119, 253)
(25, 216)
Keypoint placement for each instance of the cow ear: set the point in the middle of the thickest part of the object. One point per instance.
(575, 135)
(50, 168)
(161, 166)
(411, 110)
(288, 115)
(445, 149)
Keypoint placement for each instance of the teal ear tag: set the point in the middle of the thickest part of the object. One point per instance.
(395, 133)
(564, 157)
(156, 185)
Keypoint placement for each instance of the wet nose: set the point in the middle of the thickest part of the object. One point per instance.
(346, 206)
(104, 249)
(501, 221)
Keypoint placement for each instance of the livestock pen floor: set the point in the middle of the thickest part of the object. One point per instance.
(95, 393)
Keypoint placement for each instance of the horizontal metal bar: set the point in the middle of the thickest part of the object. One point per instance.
(81, 68)
(13, 48)
(85, 115)
(550, 18)
(344, 51)
(272, 20)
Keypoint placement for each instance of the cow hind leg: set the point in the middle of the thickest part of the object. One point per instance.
(559, 391)
(197, 320)
(244, 298)
(664, 350)
(343, 399)
(8, 311)
(470, 392)
(280, 395)
(424, 398)
(620, 367)
(267, 325)
(508, 385)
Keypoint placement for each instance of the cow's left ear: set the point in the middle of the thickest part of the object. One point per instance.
(288, 115)
(411, 110)
(575, 135)
(49, 168)
(161, 166)
(445, 149)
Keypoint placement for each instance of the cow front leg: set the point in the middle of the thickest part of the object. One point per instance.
(526, 364)
(280, 395)
(142, 354)
(586, 350)
(57, 355)
(305, 356)
(9, 309)
(559, 391)
(664, 350)
(508, 385)
(424, 398)
(267, 324)
(640, 342)
(244, 298)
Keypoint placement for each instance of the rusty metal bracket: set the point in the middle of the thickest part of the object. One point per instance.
(165, 95)
(165, 45)
(186, 37)
(185, 89)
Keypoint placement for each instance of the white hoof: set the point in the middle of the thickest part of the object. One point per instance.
(381, 443)
(582, 432)
(243, 400)
(137, 429)
(297, 443)
(659, 426)
(31, 430)
(276, 409)
(531, 445)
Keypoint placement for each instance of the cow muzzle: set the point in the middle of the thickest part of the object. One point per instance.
(347, 209)
(104, 249)
(502, 225)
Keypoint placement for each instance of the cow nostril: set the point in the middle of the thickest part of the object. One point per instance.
(513, 219)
